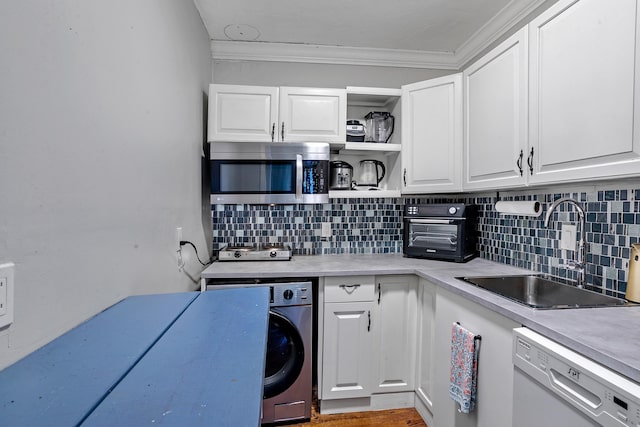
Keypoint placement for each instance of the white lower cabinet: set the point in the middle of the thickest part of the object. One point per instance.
(347, 350)
(394, 332)
(495, 369)
(425, 368)
(368, 338)
(385, 342)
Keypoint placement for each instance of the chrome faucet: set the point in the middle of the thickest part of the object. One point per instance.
(579, 264)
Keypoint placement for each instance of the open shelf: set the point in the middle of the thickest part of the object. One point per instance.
(372, 96)
(365, 147)
(353, 194)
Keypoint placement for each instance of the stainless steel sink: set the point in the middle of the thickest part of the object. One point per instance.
(536, 291)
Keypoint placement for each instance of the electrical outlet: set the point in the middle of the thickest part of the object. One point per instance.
(179, 248)
(568, 236)
(6, 294)
(326, 229)
(178, 237)
(3, 296)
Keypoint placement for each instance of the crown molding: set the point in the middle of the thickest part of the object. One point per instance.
(505, 20)
(499, 25)
(320, 54)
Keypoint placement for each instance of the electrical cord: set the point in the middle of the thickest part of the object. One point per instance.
(186, 242)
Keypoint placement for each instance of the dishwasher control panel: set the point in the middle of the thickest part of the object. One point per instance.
(599, 393)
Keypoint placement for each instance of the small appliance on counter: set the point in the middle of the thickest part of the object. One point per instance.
(379, 126)
(440, 231)
(371, 173)
(355, 131)
(340, 175)
(256, 252)
(633, 282)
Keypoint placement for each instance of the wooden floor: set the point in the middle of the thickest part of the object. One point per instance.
(390, 418)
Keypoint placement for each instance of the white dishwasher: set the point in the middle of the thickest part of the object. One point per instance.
(555, 386)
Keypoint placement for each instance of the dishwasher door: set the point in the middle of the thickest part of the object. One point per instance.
(554, 386)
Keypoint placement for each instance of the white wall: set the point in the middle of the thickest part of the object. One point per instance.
(265, 73)
(101, 133)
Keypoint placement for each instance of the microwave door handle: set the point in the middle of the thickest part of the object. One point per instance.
(299, 177)
(431, 221)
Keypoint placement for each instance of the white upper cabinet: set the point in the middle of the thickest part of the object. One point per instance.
(271, 114)
(432, 136)
(242, 113)
(583, 57)
(310, 114)
(495, 97)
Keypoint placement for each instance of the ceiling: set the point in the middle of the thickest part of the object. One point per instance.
(414, 33)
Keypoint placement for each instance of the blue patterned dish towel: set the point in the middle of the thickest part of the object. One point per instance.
(464, 367)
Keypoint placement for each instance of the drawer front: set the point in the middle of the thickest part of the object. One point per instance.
(349, 289)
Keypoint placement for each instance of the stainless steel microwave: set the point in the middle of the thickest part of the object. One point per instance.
(269, 173)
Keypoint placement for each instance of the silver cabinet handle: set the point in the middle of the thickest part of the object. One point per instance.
(350, 288)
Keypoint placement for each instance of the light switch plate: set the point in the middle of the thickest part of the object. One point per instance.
(6, 294)
(568, 236)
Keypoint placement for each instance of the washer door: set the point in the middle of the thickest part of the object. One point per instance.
(285, 355)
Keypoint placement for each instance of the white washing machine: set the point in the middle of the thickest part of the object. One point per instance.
(288, 367)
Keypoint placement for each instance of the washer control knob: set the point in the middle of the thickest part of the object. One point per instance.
(452, 210)
(288, 294)
(237, 254)
(273, 254)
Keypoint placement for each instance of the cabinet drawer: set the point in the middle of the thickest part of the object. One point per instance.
(349, 289)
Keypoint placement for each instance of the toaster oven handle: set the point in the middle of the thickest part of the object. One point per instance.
(431, 221)
(299, 177)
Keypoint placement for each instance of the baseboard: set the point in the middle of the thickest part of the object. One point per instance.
(424, 411)
(376, 402)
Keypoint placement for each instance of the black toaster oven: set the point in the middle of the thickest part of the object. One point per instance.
(440, 231)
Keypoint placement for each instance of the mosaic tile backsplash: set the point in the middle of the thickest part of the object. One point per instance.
(374, 225)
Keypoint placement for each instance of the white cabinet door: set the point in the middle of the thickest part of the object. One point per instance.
(583, 57)
(432, 135)
(394, 331)
(495, 369)
(242, 113)
(425, 369)
(311, 114)
(347, 350)
(495, 94)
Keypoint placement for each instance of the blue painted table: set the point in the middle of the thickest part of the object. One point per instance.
(170, 359)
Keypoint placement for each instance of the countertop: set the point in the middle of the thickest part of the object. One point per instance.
(609, 335)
